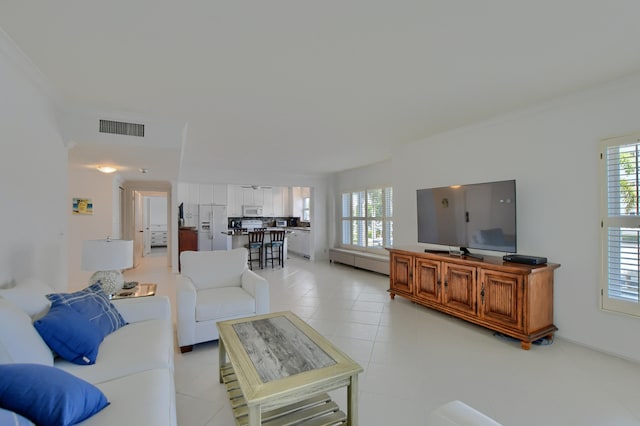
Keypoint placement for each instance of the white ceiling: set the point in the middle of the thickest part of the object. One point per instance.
(311, 87)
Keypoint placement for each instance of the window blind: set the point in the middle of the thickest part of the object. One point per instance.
(620, 225)
(366, 219)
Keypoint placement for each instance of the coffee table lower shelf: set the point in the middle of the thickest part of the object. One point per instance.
(318, 410)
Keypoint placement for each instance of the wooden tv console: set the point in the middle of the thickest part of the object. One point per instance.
(511, 298)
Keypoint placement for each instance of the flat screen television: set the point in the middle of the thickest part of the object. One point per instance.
(476, 216)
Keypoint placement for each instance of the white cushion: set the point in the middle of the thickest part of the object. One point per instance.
(135, 309)
(146, 398)
(223, 302)
(19, 340)
(29, 295)
(457, 413)
(217, 268)
(133, 348)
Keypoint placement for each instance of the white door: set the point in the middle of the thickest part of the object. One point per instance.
(146, 226)
(138, 215)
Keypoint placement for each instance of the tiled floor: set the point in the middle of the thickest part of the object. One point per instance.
(416, 359)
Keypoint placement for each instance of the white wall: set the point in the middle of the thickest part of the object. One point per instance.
(99, 187)
(33, 177)
(552, 152)
(157, 212)
(376, 175)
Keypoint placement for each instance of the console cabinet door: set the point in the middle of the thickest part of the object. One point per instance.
(427, 280)
(500, 295)
(459, 287)
(401, 274)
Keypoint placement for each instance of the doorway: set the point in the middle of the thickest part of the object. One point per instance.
(146, 219)
(155, 235)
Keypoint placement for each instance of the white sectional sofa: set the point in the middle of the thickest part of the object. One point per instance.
(134, 367)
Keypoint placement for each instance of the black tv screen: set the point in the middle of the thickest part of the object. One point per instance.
(479, 216)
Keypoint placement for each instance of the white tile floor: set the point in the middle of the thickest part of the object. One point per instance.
(416, 359)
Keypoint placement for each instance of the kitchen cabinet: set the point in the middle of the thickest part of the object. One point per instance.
(220, 194)
(234, 200)
(205, 194)
(188, 195)
(212, 194)
(252, 196)
(276, 201)
(511, 298)
(286, 202)
(300, 242)
(267, 204)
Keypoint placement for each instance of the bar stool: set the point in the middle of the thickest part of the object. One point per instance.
(256, 239)
(277, 243)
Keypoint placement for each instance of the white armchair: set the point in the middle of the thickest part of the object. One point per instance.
(215, 286)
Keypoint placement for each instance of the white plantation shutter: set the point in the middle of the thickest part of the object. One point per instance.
(388, 214)
(346, 219)
(367, 223)
(620, 233)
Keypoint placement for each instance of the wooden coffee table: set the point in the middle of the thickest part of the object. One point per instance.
(279, 370)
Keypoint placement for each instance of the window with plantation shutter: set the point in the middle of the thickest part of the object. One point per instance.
(620, 233)
(367, 219)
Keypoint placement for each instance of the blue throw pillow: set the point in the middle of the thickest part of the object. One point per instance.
(10, 418)
(94, 304)
(70, 334)
(47, 395)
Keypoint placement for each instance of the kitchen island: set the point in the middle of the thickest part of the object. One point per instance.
(239, 239)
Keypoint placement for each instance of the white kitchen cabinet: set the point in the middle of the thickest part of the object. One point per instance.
(252, 197)
(188, 196)
(300, 242)
(235, 200)
(294, 245)
(305, 243)
(205, 193)
(220, 194)
(276, 201)
(267, 204)
(247, 196)
(286, 202)
(258, 197)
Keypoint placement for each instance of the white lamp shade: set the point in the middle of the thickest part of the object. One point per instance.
(107, 255)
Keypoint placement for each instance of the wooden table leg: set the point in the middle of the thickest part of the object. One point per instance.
(255, 416)
(222, 357)
(525, 345)
(352, 401)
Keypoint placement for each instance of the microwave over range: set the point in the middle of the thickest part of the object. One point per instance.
(251, 211)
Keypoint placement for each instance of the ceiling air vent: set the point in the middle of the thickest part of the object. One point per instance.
(121, 128)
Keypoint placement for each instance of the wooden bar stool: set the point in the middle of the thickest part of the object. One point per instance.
(256, 242)
(277, 243)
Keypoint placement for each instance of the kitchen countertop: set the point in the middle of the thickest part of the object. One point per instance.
(234, 233)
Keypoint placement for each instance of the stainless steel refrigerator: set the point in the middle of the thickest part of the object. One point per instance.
(212, 222)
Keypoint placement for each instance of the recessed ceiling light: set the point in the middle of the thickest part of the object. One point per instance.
(143, 170)
(106, 169)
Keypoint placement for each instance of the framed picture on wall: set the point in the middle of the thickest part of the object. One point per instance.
(82, 206)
